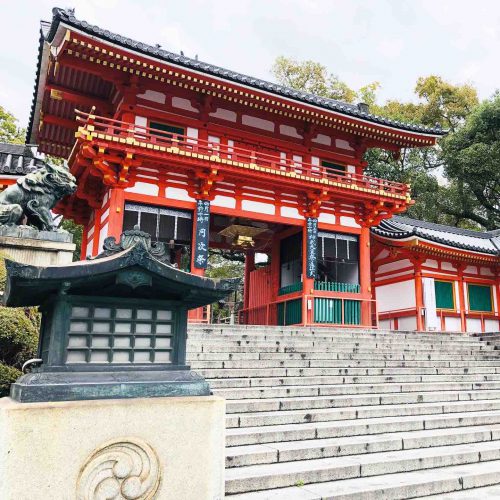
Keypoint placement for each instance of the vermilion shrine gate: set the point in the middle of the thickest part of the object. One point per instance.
(202, 157)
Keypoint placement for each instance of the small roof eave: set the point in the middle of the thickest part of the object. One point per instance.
(29, 285)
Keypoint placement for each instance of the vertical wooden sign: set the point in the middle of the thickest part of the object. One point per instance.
(312, 247)
(202, 222)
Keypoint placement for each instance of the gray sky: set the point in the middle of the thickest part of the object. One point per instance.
(389, 41)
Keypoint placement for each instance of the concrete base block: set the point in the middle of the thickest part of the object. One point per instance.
(38, 248)
(163, 448)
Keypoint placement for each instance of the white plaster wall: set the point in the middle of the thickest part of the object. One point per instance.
(224, 201)
(396, 296)
(89, 247)
(258, 207)
(393, 266)
(290, 131)
(327, 218)
(471, 269)
(192, 133)
(486, 271)
(224, 114)
(178, 194)
(385, 324)
(254, 121)
(432, 321)
(103, 235)
(181, 103)
(291, 212)
(407, 323)
(447, 266)
(104, 215)
(153, 95)
(431, 263)
(323, 139)
(491, 325)
(457, 297)
(473, 325)
(452, 324)
(341, 143)
(395, 275)
(348, 221)
(143, 188)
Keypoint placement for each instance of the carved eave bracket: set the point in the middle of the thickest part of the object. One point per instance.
(203, 184)
(312, 204)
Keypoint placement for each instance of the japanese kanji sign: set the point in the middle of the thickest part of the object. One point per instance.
(312, 247)
(202, 224)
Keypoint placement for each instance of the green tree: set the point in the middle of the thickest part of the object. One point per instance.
(76, 230)
(18, 337)
(9, 130)
(438, 102)
(472, 157)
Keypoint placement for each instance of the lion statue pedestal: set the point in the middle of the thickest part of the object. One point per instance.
(30, 201)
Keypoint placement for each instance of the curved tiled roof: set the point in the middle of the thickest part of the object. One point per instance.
(18, 159)
(399, 228)
(48, 32)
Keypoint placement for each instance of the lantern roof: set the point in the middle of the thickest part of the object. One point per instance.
(133, 268)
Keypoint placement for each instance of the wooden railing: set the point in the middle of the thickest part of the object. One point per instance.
(107, 129)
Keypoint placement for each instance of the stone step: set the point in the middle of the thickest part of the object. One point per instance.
(238, 456)
(484, 493)
(368, 370)
(397, 486)
(345, 389)
(286, 381)
(332, 347)
(261, 374)
(366, 341)
(327, 361)
(282, 417)
(355, 427)
(323, 330)
(279, 475)
(376, 356)
(356, 400)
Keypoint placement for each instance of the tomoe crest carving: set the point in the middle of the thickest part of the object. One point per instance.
(125, 469)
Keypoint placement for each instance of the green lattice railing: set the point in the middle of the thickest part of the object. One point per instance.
(332, 286)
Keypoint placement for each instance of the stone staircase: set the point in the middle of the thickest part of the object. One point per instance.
(349, 414)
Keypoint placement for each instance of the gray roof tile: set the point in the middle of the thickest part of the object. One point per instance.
(399, 228)
(18, 159)
(67, 16)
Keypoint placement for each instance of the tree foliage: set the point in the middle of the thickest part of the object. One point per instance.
(9, 130)
(18, 337)
(472, 159)
(440, 194)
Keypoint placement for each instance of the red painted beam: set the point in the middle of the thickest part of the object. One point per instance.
(65, 94)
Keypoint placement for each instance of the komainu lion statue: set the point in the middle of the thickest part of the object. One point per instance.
(34, 195)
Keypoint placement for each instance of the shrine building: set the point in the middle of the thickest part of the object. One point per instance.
(433, 277)
(203, 157)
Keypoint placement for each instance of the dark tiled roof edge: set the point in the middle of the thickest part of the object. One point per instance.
(392, 229)
(187, 62)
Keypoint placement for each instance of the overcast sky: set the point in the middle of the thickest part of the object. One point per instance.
(389, 41)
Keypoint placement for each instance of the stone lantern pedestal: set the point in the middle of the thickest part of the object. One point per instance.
(111, 410)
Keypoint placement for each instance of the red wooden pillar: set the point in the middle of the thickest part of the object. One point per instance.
(497, 291)
(307, 283)
(365, 276)
(461, 297)
(116, 208)
(419, 294)
(249, 267)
